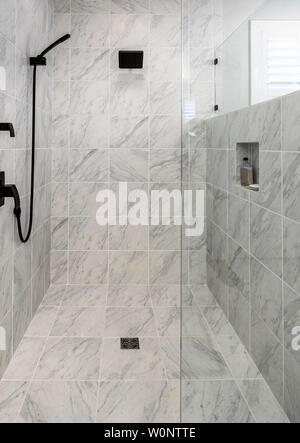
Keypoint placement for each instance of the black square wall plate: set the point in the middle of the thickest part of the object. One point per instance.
(131, 59)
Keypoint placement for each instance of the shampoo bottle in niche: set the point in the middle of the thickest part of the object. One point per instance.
(246, 173)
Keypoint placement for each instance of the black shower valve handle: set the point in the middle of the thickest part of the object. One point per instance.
(10, 191)
(9, 127)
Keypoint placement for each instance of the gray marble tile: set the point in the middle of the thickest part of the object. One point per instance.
(129, 165)
(12, 394)
(165, 30)
(88, 166)
(70, 359)
(239, 316)
(261, 401)
(59, 206)
(170, 347)
(270, 186)
(21, 315)
(89, 97)
(7, 54)
(129, 132)
(266, 238)
(130, 322)
(217, 321)
(86, 234)
(193, 324)
(201, 24)
(266, 297)
(213, 402)
(218, 206)
(142, 364)
(165, 268)
(166, 296)
(145, 402)
(129, 98)
(267, 353)
(291, 255)
(59, 233)
(62, 6)
(168, 321)
(218, 132)
(90, 31)
(165, 132)
(83, 198)
(291, 320)
(129, 30)
(165, 98)
(51, 401)
(291, 182)
(203, 296)
(128, 296)
(7, 21)
(130, 6)
(6, 295)
(290, 122)
(291, 387)
(89, 132)
(88, 268)
(165, 165)
(201, 359)
(167, 72)
(217, 162)
(54, 296)
(128, 238)
(238, 270)
(25, 359)
(90, 64)
(59, 267)
(85, 296)
(79, 322)
(165, 238)
(127, 268)
(239, 222)
(165, 7)
(7, 324)
(42, 322)
(89, 6)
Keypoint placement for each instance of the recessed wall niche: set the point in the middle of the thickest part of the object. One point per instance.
(248, 151)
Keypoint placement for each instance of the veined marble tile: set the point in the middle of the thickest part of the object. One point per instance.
(61, 64)
(70, 359)
(128, 296)
(165, 98)
(165, 132)
(129, 30)
(201, 69)
(203, 296)
(54, 295)
(262, 403)
(217, 172)
(142, 364)
(165, 30)
(170, 347)
(61, 6)
(165, 268)
(290, 122)
(291, 387)
(7, 324)
(7, 21)
(239, 223)
(201, 359)
(51, 401)
(203, 97)
(165, 238)
(166, 296)
(88, 166)
(59, 200)
(162, 71)
(88, 132)
(25, 359)
(79, 322)
(217, 321)
(12, 394)
(86, 234)
(291, 255)
(144, 401)
(213, 402)
(239, 361)
(59, 267)
(129, 98)
(85, 296)
(130, 322)
(89, 6)
(83, 198)
(59, 233)
(88, 268)
(291, 182)
(129, 132)
(42, 322)
(165, 165)
(130, 6)
(128, 165)
(7, 54)
(193, 324)
(197, 165)
(266, 238)
(201, 24)
(267, 353)
(161, 7)
(90, 64)
(128, 268)
(128, 238)
(168, 321)
(291, 320)
(89, 97)
(90, 31)
(266, 297)
(238, 270)
(59, 135)
(6, 296)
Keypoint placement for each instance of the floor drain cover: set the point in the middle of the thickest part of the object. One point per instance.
(130, 343)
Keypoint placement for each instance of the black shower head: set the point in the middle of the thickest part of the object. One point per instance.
(40, 60)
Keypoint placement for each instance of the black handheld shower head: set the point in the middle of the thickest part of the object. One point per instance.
(40, 60)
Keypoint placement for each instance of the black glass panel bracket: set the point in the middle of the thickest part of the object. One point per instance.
(131, 59)
(8, 127)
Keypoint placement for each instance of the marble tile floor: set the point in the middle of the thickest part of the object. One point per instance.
(69, 366)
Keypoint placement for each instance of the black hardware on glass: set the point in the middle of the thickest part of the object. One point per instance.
(216, 61)
(9, 127)
(216, 108)
(131, 59)
(11, 190)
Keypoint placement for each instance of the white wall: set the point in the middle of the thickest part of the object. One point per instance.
(237, 11)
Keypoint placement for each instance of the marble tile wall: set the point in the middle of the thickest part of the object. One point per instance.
(253, 238)
(111, 126)
(25, 29)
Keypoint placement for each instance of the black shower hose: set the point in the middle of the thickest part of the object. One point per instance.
(17, 211)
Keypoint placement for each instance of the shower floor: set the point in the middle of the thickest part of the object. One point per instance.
(69, 366)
